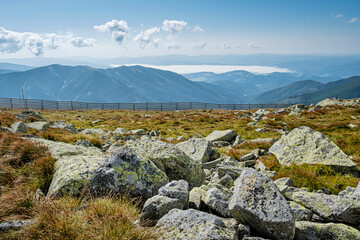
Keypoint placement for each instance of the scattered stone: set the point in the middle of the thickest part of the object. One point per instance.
(197, 196)
(27, 114)
(6, 226)
(259, 166)
(84, 143)
(212, 164)
(91, 131)
(170, 139)
(351, 125)
(238, 140)
(196, 148)
(192, 224)
(19, 127)
(353, 117)
(227, 136)
(180, 138)
(284, 181)
(174, 162)
(261, 130)
(258, 202)
(227, 181)
(337, 101)
(259, 115)
(41, 126)
(220, 144)
(38, 196)
(96, 121)
(313, 231)
(173, 195)
(6, 129)
(119, 131)
(297, 109)
(138, 132)
(62, 125)
(328, 207)
(304, 145)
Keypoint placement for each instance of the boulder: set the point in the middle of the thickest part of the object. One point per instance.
(300, 213)
(217, 200)
(41, 126)
(119, 131)
(90, 131)
(258, 202)
(174, 162)
(138, 132)
(173, 195)
(62, 125)
(227, 136)
(259, 115)
(337, 101)
(328, 207)
(123, 172)
(325, 231)
(297, 109)
(197, 196)
(192, 224)
(197, 149)
(19, 127)
(304, 145)
(27, 114)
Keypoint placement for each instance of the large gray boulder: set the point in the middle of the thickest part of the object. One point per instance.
(227, 136)
(192, 224)
(322, 231)
(329, 207)
(217, 200)
(123, 172)
(338, 101)
(259, 115)
(297, 109)
(173, 195)
(174, 162)
(258, 202)
(196, 148)
(19, 127)
(91, 131)
(300, 213)
(304, 145)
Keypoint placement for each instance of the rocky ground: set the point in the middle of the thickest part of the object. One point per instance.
(265, 174)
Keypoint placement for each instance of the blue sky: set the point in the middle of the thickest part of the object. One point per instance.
(158, 27)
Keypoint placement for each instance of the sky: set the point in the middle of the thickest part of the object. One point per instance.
(118, 28)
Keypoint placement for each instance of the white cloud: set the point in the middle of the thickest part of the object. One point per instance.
(174, 26)
(252, 45)
(354, 19)
(82, 42)
(117, 28)
(173, 46)
(337, 16)
(199, 45)
(197, 28)
(147, 38)
(230, 46)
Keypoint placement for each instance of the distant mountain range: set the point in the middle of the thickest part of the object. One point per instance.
(122, 84)
(312, 92)
(251, 85)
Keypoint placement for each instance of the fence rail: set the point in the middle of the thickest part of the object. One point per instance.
(16, 103)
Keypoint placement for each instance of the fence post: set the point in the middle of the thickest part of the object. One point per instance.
(205, 105)
(177, 107)
(219, 107)
(147, 106)
(72, 107)
(118, 105)
(133, 106)
(161, 107)
(249, 106)
(26, 104)
(191, 105)
(11, 103)
(234, 106)
(262, 105)
(57, 105)
(42, 104)
(102, 106)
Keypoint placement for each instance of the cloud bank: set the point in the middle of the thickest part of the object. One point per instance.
(147, 38)
(12, 42)
(199, 45)
(174, 26)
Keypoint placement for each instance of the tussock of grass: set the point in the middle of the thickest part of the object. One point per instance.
(253, 145)
(6, 119)
(238, 153)
(100, 218)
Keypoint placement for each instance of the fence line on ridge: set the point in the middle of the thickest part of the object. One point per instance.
(17, 103)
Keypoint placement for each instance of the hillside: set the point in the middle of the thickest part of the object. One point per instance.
(122, 84)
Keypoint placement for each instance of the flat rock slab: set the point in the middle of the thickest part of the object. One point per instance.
(258, 202)
(227, 136)
(320, 231)
(304, 145)
(192, 224)
(197, 149)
